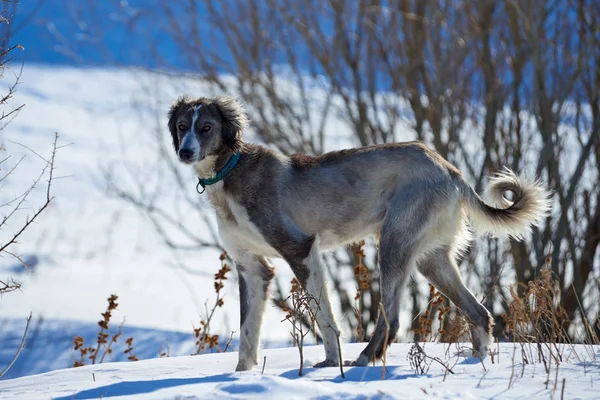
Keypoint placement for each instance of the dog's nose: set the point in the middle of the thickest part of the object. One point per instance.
(186, 154)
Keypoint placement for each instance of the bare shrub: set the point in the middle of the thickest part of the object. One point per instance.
(421, 362)
(129, 350)
(96, 352)
(361, 274)
(536, 322)
(299, 311)
(11, 209)
(205, 341)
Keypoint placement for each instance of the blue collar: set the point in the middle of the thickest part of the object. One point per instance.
(235, 158)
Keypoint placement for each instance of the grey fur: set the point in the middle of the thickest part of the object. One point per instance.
(244, 300)
(416, 205)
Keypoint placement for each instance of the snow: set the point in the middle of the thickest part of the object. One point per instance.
(211, 376)
(89, 245)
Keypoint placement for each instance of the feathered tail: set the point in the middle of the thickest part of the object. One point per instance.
(501, 217)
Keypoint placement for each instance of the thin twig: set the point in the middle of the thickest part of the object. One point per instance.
(21, 347)
(29, 221)
(9, 287)
(481, 379)
(436, 359)
(228, 342)
(387, 335)
(512, 373)
(337, 335)
(115, 337)
(13, 168)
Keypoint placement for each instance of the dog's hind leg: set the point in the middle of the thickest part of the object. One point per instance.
(394, 273)
(254, 274)
(400, 237)
(441, 270)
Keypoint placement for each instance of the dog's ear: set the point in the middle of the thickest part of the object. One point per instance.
(173, 112)
(234, 120)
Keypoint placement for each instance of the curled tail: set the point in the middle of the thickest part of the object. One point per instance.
(502, 217)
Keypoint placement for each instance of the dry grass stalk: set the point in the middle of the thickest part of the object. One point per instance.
(536, 322)
(103, 323)
(341, 362)
(228, 343)
(113, 340)
(21, 347)
(295, 315)
(361, 273)
(452, 326)
(205, 341)
(536, 315)
(129, 351)
(385, 341)
(96, 354)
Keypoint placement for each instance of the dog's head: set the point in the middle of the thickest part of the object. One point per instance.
(206, 127)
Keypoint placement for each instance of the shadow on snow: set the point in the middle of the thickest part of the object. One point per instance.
(354, 374)
(141, 387)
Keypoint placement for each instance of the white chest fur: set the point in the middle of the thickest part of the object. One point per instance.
(237, 232)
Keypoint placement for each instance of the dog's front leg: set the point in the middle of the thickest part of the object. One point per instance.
(254, 274)
(308, 271)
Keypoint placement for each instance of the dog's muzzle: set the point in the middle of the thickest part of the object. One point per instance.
(186, 155)
(190, 148)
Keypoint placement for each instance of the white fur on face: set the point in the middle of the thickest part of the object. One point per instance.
(190, 141)
(195, 116)
(205, 168)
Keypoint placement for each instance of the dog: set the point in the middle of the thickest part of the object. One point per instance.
(417, 206)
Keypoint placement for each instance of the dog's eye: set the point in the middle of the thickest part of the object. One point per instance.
(206, 128)
(181, 127)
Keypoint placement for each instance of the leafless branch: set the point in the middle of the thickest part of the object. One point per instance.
(21, 347)
(50, 168)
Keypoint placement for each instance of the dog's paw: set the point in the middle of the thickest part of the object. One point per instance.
(327, 363)
(481, 353)
(482, 341)
(361, 361)
(244, 365)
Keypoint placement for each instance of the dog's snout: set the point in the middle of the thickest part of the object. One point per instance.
(186, 154)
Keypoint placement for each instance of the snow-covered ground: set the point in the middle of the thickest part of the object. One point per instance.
(88, 245)
(211, 377)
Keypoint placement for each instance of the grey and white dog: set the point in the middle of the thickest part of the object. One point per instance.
(416, 205)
